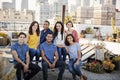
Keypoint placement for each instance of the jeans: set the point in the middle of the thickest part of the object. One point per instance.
(59, 64)
(34, 52)
(33, 68)
(62, 51)
(75, 69)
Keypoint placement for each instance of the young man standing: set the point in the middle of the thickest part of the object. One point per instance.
(45, 31)
(48, 51)
(20, 52)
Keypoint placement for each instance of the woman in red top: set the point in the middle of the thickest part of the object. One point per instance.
(69, 25)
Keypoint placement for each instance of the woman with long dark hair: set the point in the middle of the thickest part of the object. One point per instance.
(59, 40)
(33, 40)
(75, 62)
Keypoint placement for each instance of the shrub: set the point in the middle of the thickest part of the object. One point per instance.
(108, 65)
(95, 66)
(88, 30)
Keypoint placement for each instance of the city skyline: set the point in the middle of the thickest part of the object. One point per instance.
(34, 3)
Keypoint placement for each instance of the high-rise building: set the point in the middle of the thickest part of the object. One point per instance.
(112, 2)
(85, 3)
(98, 3)
(103, 14)
(44, 12)
(8, 4)
(56, 8)
(42, 1)
(24, 4)
(78, 3)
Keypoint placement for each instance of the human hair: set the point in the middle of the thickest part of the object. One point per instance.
(47, 22)
(50, 33)
(66, 41)
(69, 22)
(22, 33)
(30, 28)
(56, 31)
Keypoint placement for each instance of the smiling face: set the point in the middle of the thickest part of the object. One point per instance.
(58, 27)
(46, 25)
(69, 24)
(21, 38)
(70, 39)
(49, 38)
(34, 27)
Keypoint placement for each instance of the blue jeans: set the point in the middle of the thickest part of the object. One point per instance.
(34, 52)
(62, 51)
(75, 69)
(59, 64)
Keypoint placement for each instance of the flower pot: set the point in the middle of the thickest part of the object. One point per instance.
(114, 36)
(117, 65)
(108, 71)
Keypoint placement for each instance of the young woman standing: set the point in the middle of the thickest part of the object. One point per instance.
(33, 40)
(59, 40)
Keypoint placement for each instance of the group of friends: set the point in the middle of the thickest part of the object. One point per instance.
(52, 46)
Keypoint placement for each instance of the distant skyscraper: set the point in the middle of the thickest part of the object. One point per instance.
(113, 2)
(85, 3)
(42, 1)
(98, 2)
(8, 4)
(78, 3)
(56, 8)
(24, 4)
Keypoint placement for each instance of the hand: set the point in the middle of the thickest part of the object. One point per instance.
(67, 50)
(50, 65)
(53, 65)
(26, 68)
(60, 45)
(76, 63)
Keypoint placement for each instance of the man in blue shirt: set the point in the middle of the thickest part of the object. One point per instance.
(20, 52)
(45, 31)
(48, 51)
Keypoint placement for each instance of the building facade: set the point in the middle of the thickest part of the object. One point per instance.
(11, 19)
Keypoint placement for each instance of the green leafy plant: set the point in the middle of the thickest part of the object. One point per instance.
(95, 67)
(88, 30)
(116, 58)
(108, 65)
(3, 35)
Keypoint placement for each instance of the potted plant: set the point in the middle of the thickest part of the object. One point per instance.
(108, 65)
(95, 67)
(4, 39)
(89, 32)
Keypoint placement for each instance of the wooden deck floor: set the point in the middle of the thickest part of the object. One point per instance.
(52, 75)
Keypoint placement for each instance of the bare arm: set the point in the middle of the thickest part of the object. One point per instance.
(44, 58)
(56, 57)
(27, 58)
(79, 57)
(38, 42)
(14, 53)
(27, 38)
